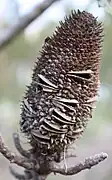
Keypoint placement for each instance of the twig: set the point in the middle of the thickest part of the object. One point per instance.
(13, 158)
(24, 21)
(87, 164)
(18, 146)
(45, 168)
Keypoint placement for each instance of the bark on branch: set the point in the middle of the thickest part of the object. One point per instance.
(24, 21)
(18, 146)
(13, 157)
(88, 163)
(40, 171)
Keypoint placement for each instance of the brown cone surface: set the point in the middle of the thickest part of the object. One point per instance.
(65, 82)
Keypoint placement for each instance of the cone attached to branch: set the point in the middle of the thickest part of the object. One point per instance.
(64, 87)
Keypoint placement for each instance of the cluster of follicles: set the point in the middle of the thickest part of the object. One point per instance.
(59, 101)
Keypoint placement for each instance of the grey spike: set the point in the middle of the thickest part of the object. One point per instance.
(68, 107)
(47, 81)
(64, 126)
(48, 90)
(52, 140)
(64, 100)
(37, 134)
(67, 118)
(65, 141)
(51, 130)
(40, 138)
(73, 136)
(63, 121)
(58, 104)
(54, 127)
(43, 142)
(91, 100)
(28, 107)
(47, 87)
(90, 106)
(63, 136)
(71, 75)
(81, 72)
(77, 131)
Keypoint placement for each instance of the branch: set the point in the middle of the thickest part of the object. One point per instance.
(32, 168)
(18, 146)
(86, 164)
(13, 158)
(24, 21)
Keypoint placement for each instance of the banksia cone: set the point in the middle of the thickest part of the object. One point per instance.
(65, 82)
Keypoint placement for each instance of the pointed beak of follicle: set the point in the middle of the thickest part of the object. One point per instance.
(84, 75)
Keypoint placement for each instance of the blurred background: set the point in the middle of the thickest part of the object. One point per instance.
(16, 63)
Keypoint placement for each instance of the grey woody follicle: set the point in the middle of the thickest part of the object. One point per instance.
(59, 101)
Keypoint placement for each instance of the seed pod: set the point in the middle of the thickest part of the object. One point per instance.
(64, 87)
